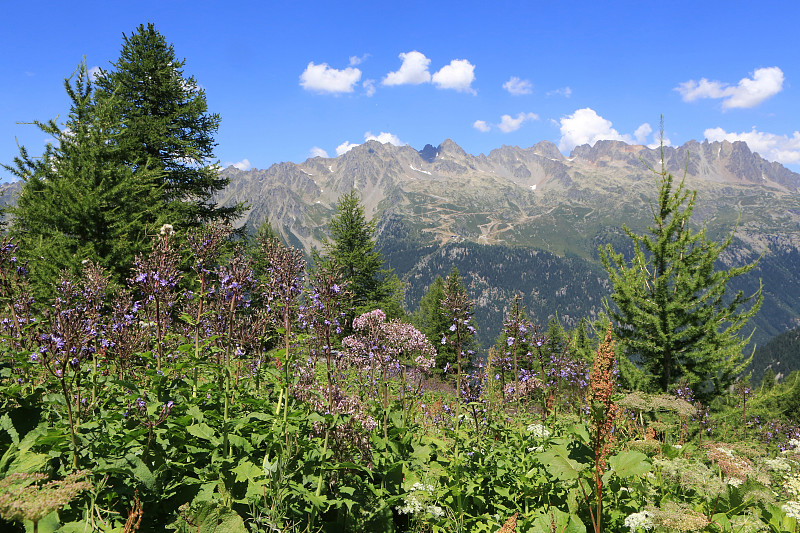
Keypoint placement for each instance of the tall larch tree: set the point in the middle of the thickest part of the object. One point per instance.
(79, 201)
(672, 312)
(352, 248)
(164, 126)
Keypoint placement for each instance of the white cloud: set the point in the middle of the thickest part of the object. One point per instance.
(517, 86)
(586, 126)
(642, 132)
(509, 123)
(458, 75)
(345, 147)
(355, 60)
(481, 125)
(780, 148)
(750, 92)
(369, 87)
(94, 72)
(316, 151)
(324, 79)
(382, 137)
(566, 92)
(413, 71)
(244, 164)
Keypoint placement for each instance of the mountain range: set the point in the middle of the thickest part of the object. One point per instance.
(529, 221)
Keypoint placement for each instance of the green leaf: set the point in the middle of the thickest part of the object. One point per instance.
(28, 461)
(7, 425)
(558, 463)
(195, 412)
(141, 472)
(246, 470)
(203, 431)
(629, 463)
(48, 524)
(214, 518)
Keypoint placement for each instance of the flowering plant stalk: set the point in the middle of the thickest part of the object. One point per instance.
(458, 307)
(603, 412)
(205, 245)
(283, 289)
(155, 278)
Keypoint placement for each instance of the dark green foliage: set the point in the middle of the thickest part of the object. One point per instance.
(781, 399)
(352, 248)
(781, 355)
(458, 309)
(768, 381)
(673, 314)
(80, 201)
(162, 124)
(434, 321)
(431, 320)
(571, 286)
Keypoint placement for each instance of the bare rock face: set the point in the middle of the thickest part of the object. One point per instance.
(521, 196)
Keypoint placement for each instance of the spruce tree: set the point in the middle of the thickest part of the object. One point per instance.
(352, 247)
(459, 336)
(79, 201)
(164, 125)
(432, 320)
(673, 314)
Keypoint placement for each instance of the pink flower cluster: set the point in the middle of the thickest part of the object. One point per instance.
(388, 342)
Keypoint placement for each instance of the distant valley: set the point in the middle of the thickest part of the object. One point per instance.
(529, 220)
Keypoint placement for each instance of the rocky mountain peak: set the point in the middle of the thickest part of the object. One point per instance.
(429, 153)
(547, 149)
(449, 147)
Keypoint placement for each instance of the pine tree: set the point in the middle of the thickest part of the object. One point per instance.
(433, 322)
(79, 201)
(458, 309)
(672, 313)
(352, 247)
(164, 125)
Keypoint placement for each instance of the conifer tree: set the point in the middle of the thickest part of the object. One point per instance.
(672, 312)
(432, 320)
(352, 247)
(79, 201)
(459, 335)
(163, 124)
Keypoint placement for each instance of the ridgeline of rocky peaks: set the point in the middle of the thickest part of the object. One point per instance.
(718, 161)
(515, 195)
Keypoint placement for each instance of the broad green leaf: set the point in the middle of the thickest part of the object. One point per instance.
(141, 471)
(7, 425)
(629, 463)
(240, 442)
(556, 460)
(246, 471)
(564, 522)
(48, 524)
(203, 431)
(213, 518)
(28, 462)
(195, 412)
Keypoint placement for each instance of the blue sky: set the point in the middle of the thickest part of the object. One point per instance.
(295, 79)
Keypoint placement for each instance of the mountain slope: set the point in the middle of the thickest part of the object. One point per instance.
(494, 216)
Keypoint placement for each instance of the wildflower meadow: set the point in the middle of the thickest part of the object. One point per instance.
(223, 388)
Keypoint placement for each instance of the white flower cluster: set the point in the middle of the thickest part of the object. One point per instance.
(792, 486)
(416, 502)
(538, 431)
(794, 443)
(779, 464)
(640, 520)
